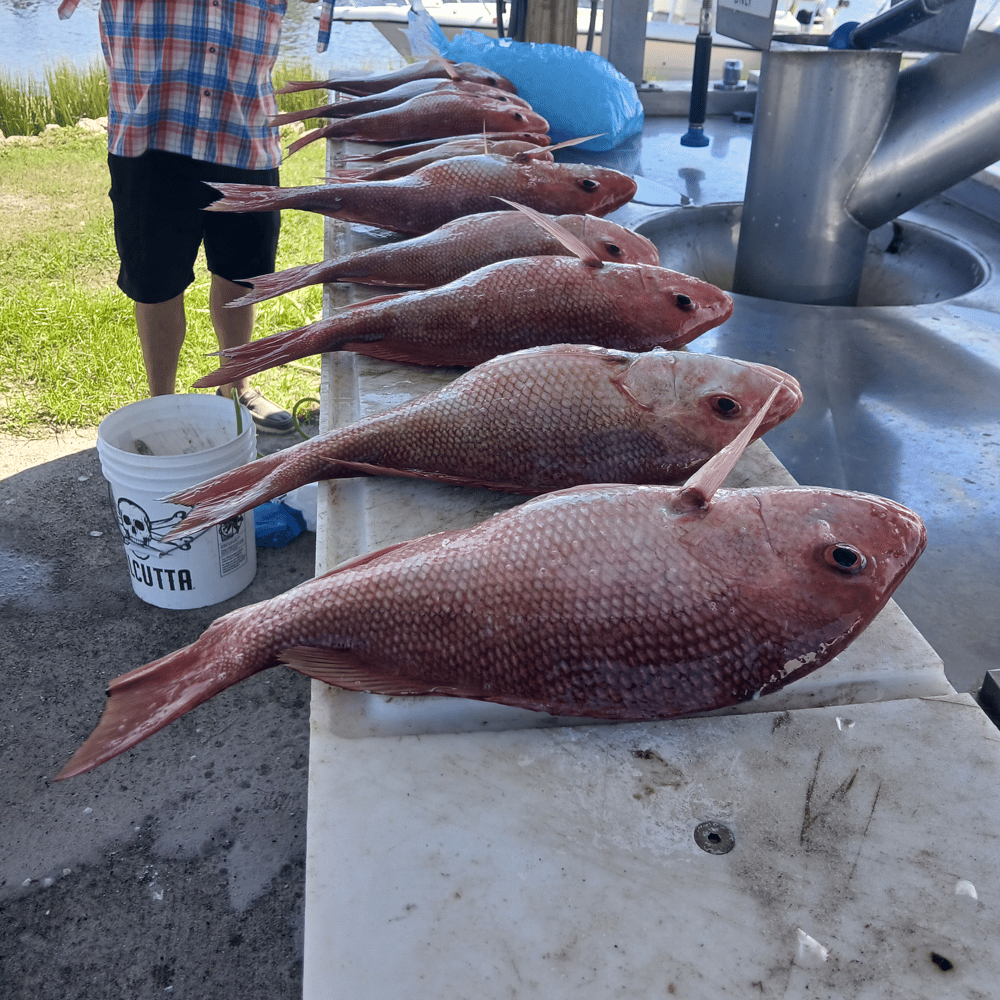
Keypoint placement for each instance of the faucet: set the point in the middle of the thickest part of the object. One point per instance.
(844, 142)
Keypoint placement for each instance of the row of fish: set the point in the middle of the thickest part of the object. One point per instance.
(422, 108)
(616, 592)
(506, 306)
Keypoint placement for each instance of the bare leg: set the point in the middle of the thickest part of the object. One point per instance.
(233, 327)
(161, 329)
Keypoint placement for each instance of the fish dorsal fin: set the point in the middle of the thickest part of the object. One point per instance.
(698, 491)
(575, 142)
(532, 154)
(446, 64)
(572, 243)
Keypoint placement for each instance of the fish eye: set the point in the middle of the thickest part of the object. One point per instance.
(845, 558)
(588, 184)
(724, 406)
(612, 248)
(518, 116)
(684, 301)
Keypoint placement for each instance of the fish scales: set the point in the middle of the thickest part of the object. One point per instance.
(505, 307)
(392, 152)
(391, 98)
(440, 192)
(575, 604)
(618, 602)
(529, 422)
(456, 248)
(430, 116)
(404, 165)
(437, 69)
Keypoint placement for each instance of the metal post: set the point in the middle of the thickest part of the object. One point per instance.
(623, 36)
(819, 116)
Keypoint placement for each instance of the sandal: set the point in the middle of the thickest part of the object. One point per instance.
(267, 418)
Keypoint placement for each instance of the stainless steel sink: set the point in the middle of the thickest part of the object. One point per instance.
(907, 262)
(900, 391)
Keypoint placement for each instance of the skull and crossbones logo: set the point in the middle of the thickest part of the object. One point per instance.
(141, 531)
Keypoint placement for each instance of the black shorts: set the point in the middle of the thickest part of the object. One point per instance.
(159, 224)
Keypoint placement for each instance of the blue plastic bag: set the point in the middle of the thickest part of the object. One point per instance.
(578, 93)
(276, 524)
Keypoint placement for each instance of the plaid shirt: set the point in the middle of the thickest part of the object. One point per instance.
(193, 77)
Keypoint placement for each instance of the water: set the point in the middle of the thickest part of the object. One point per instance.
(32, 37)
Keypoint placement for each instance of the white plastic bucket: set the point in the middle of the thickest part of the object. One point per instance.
(154, 447)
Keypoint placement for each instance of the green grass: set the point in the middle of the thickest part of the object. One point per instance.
(67, 334)
(66, 93)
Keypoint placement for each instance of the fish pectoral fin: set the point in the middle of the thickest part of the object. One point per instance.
(369, 469)
(698, 491)
(343, 668)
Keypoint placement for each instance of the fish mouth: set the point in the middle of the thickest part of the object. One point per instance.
(907, 525)
(788, 400)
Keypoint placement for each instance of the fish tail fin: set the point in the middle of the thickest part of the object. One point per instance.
(145, 700)
(287, 117)
(334, 129)
(268, 352)
(250, 197)
(267, 286)
(322, 198)
(294, 86)
(235, 492)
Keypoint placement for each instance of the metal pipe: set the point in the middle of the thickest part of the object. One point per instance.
(945, 127)
(695, 135)
(880, 28)
(820, 114)
(592, 26)
(844, 143)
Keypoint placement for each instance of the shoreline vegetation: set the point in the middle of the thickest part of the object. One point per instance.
(67, 333)
(67, 92)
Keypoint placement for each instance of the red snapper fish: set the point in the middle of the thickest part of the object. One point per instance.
(391, 98)
(520, 150)
(456, 248)
(437, 69)
(505, 307)
(430, 116)
(517, 149)
(538, 420)
(392, 152)
(612, 601)
(436, 194)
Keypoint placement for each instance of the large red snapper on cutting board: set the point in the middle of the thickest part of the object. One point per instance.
(529, 422)
(440, 192)
(615, 602)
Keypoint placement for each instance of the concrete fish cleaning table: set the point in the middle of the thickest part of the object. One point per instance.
(836, 838)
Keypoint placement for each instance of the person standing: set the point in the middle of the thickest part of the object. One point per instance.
(190, 99)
